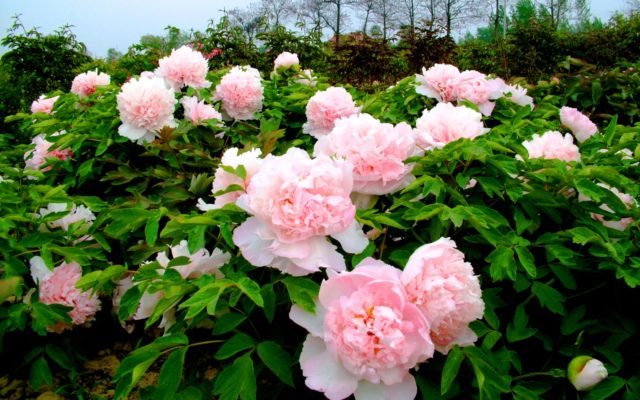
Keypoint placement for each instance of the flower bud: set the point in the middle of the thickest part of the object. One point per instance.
(585, 372)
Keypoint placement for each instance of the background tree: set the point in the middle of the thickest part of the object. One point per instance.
(309, 14)
(335, 16)
(277, 12)
(385, 13)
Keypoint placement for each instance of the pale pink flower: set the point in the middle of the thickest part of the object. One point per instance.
(325, 107)
(35, 158)
(628, 201)
(473, 86)
(585, 372)
(446, 123)
(200, 262)
(145, 105)
(43, 104)
(443, 286)
(307, 78)
(377, 151)
(295, 202)
(251, 162)
(439, 82)
(580, 124)
(285, 60)
(197, 111)
(184, 67)
(74, 214)
(86, 83)
(519, 95)
(241, 93)
(552, 145)
(59, 287)
(364, 337)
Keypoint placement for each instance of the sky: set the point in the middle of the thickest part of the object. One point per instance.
(104, 24)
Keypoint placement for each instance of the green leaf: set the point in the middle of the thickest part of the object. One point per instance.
(367, 252)
(269, 297)
(151, 229)
(236, 344)
(58, 356)
(251, 289)
(227, 323)
(302, 291)
(277, 360)
(40, 373)
(526, 260)
(549, 297)
(451, 368)
(45, 315)
(606, 388)
(503, 263)
(170, 375)
(237, 380)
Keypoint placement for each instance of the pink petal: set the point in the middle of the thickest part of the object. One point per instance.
(352, 239)
(323, 372)
(253, 247)
(311, 322)
(406, 389)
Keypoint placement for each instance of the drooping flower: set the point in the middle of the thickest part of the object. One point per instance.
(325, 107)
(75, 214)
(443, 286)
(580, 124)
(446, 123)
(439, 82)
(285, 60)
(59, 287)
(251, 162)
(628, 201)
(552, 145)
(145, 105)
(197, 111)
(295, 202)
(473, 86)
(241, 93)
(184, 67)
(86, 83)
(377, 151)
(364, 337)
(585, 372)
(43, 104)
(36, 157)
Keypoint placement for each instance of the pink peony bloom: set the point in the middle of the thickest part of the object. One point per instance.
(443, 286)
(446, 123)
(580, 124)
(43, 105)
(241, 93)
(552, 145)
(145, 106)
(200, 262)
(197, 111)
(86, 83)
(296, 201)
(285, 60)
(585, 372)
(376, 150)
(325, 107)
(628, 201)
(439, 82)
(35, 158)
(519, 95)
(364, 337)
(473, 86)
(59, 287)
(184, 67)
(75, 214)
(251, 162)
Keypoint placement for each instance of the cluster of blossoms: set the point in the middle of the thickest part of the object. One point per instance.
(86, 83)
(446, 83)
(59, 287)
(625, 198)
(375, 323)
(35, 158)
(208, 56)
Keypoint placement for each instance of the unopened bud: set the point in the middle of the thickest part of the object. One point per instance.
(585, 372)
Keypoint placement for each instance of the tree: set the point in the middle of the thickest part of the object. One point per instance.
(458, 12)
(385, 12)
(309, 13)
(365, 7)
(335, 16)
(277, 12)
(248, 19)
(555, 11)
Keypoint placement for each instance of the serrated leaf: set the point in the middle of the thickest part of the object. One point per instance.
(237, 380)
(251, 289)
(277, 360)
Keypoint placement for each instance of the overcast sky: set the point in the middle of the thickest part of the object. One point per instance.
(102, 24)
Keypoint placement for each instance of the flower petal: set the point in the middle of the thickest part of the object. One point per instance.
(323, 372)
(406, 389)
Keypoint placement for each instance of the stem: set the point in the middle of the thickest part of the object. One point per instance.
(533, 374)
(205, 343)
(382, 245)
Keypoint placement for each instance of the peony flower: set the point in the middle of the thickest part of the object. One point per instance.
(197, 111)
(376, 150)
(473, 86)
(628, 201)
(184, 67)
(578, 123)
(519, 95)
(240, 91)
(325, 107)
(295, 202)
(439, 82)
(364, 337)
(307, 78)
(43, 105)
(443, 286)
(585, 372)
(145, 106)
(86, 83)
(285, 60)
(446, 123)
(59, 287)
(251, 162)
(200, 262)
(36, 157)
(552, 145)
(75, 214)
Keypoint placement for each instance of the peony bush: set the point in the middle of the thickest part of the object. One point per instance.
(302, 239)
